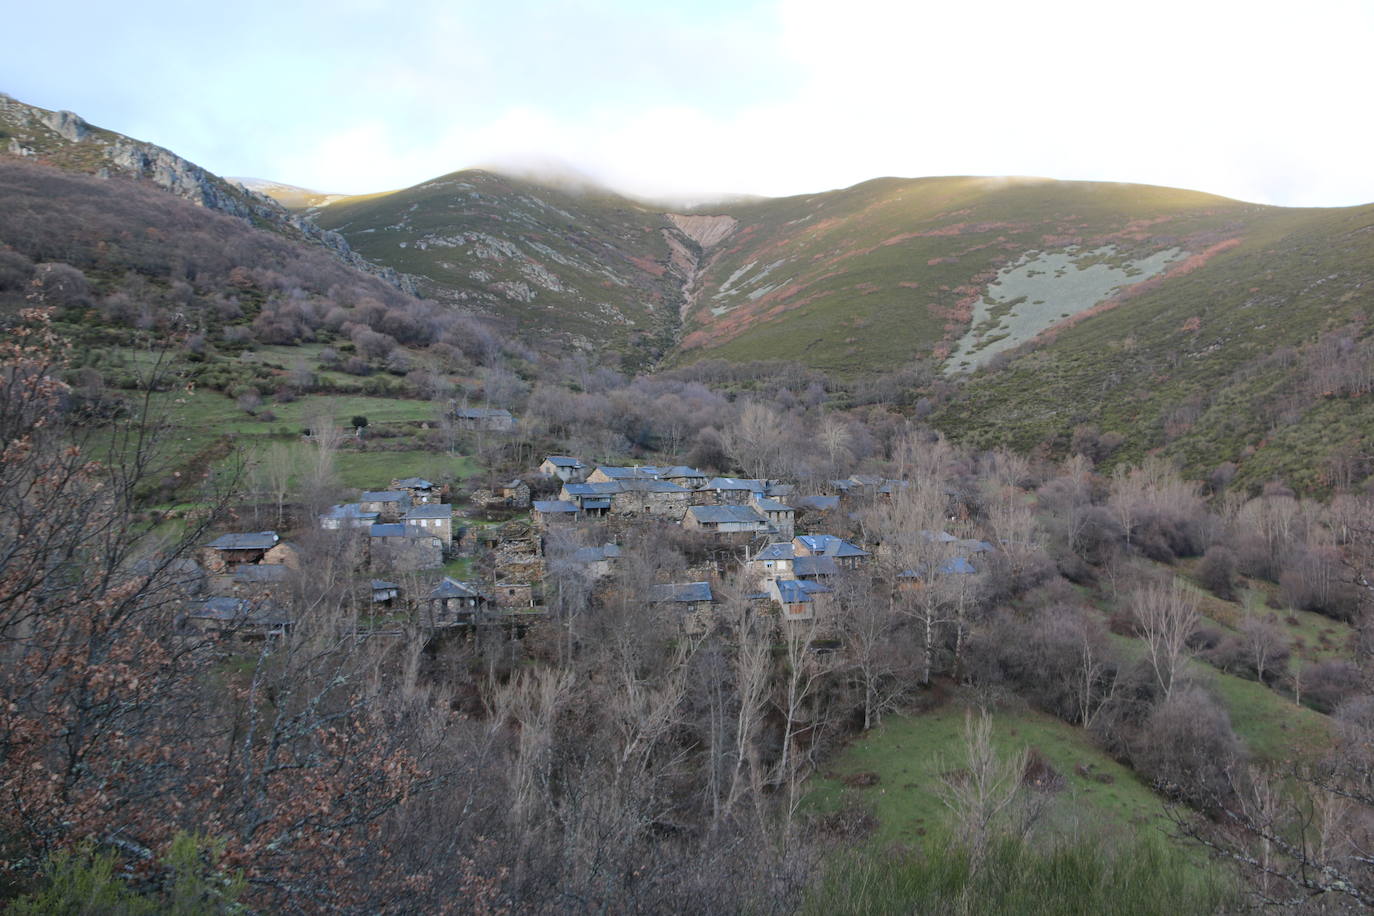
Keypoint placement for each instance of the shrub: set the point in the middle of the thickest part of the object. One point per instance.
(1186, 748)
(1217, 572)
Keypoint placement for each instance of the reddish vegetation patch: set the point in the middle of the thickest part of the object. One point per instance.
(649, 266)
(909, 284)
(1192, 324)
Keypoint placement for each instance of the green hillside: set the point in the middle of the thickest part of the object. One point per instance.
(593, 268)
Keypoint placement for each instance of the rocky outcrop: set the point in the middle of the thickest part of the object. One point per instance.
(706, 231)
(68, 140)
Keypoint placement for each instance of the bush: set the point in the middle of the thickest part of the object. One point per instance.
(1329, 683)
(1186, 748)
(1217, 572)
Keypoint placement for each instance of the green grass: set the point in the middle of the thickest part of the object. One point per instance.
(1080, 878)
(1272, 727)
(374, 470)
(909, 754)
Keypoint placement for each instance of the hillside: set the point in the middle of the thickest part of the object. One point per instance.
(1145, 313)
(65, 140)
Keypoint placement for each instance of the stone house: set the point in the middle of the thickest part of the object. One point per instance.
(452, 603)
(421, 491)
(726, 519)
(229, 550)
(776, 561)
(390, 505)
(732, 491)
(516, 493)
(241, 616)
(781, 517)
(546, 512)
(593, 499)
(348, 515)
(514, 595)
(384, 592)
(565, 468)
(496, 419)
(683, 476)
(660, 498)
(845, 554)
(693, 600)
(800, 599)
(397, 546)
(433, 519)
(598, 561)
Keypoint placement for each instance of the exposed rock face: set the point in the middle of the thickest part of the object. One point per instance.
(706, 231)
(67, 140)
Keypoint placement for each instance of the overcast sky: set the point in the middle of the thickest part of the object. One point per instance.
(1263, 101)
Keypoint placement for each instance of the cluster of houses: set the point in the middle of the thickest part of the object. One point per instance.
(407, 528)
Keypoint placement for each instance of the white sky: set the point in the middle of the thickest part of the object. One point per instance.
(1258, 100)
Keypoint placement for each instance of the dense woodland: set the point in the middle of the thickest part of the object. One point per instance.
(610, 760)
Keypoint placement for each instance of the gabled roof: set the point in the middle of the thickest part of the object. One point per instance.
(830, 546)
(844, 486)
(942, 537)
(240, 610)
(867, 480)
(553, 506)
(954, 566)
(260, 575)
(513, 483)
(348, 510)
(381, 584)
(685, 592)
(680, 471)
(718, 515)
(255, 540)
(782, 551)
(736, 483)
(819, 503)
(480, 413)
(414, 483)
(627, 472)
(972, 545)
(892, 486)
(452, 588)
(429, 510)
(390, 530)
(793, 591)
(652, 485)
(563, 461)
(806, 567)
(588, 555)
(384, 496)
(771, 505)
(604, 488)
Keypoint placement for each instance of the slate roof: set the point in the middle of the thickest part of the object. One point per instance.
(240, 610)
(384, 496)
(820, 503)
(719, 515)
(625, 472)
(588, 555)
(563, 461)
(380, 584)
(804, 567)
(972, 545)
(736, 483)
(831, 546)
(954, 566)
(652, 485)
(680, 471)
(414, 483)
(480, 413)
(553, 506)
(604, 488)
(771, 505)
(347, 511)
(793, 591)
(685, 592)
(390, 530)
(260, 575)
(782, 551)
(255, 540)
(429, 510)
(943, 537)
(452, 588)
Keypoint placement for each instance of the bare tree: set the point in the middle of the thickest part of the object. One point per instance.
(1166, 615)
(986, 795)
